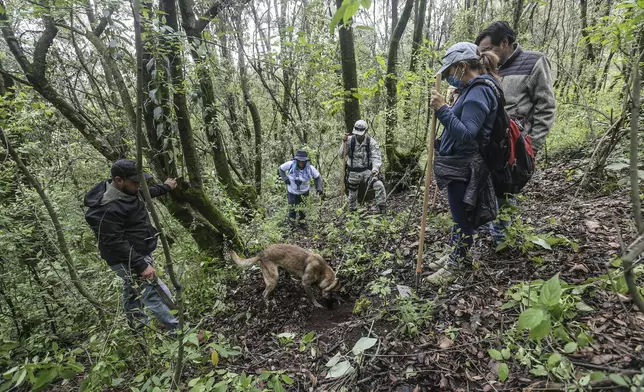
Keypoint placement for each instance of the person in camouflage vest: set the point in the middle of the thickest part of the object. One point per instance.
(363, 164)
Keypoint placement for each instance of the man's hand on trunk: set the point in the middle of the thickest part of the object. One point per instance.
(172, 182)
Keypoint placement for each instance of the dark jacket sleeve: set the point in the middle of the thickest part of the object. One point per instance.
(111, 233)
(159, 190)
(282, 174)
(475, 109)
(318, 184)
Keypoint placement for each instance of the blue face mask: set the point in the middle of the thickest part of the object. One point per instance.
(453, 81)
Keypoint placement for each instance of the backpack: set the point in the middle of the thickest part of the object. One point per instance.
(508, 153)
(352, 147)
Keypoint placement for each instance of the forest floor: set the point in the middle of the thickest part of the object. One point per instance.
(451, 352)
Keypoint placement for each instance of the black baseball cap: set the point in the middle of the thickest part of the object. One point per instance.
(126, 168)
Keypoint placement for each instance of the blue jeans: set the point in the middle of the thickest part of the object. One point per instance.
(294, 201)
(138, 292)
(463, 230)
(498, 227)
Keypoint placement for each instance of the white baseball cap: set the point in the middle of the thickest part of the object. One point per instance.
(360, 127)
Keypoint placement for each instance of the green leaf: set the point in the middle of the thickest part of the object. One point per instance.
(583, 339)
(363, 344)
(619, 379)
(21, 377)
(495, 354)
(308, 338)
(351, 10)
(583, 307)
(337, 17)
(554, 360)
(333, 361)
(585, 380)
(44, 379)
(366, 3)
(539, 370)
(530, 318)
(503, 371)
(286, 335)
(570, 347)
(597, 376)
(287, 379)
(506, 353)
(551, 292)
(340, 369)
(540, 241)
(542, 330)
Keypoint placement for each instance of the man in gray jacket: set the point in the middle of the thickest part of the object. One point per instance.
(526, 81)
(363, 164)
(527, 85)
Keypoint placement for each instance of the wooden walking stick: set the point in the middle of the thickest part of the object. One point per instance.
(428, 180)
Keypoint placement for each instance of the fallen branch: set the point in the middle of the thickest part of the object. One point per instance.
(606, 368)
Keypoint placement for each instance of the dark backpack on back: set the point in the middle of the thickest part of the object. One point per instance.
(508, 153)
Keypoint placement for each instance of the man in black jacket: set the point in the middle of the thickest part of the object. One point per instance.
(126, 239)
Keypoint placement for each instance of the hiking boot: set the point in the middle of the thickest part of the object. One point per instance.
(442, 276)
(438, 264)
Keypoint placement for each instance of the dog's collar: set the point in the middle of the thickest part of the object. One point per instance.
(333, 285)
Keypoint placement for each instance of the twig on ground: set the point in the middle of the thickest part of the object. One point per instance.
(606, 368)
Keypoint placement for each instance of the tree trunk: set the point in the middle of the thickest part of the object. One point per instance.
(245, 196)
(136, 10)
(418, 34)
(394, 16)
(238, 124)
(636, 106)
(518, 10)
(250, 104)
(590, 53)
(349, 74)
(209, 227)
(390, 84)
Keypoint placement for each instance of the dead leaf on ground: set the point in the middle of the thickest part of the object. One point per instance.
(604, 358)
(579, 267)
(445, 343)
(592, 225)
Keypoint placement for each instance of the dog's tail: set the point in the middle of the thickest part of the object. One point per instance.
(243, 262)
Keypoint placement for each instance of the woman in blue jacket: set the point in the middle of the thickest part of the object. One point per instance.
(459, 165)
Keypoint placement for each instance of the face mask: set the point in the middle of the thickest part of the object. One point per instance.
(454, 81)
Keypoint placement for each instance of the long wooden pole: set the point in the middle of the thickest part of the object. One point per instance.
(428, 180)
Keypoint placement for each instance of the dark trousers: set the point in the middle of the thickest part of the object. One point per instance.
(294, 201)
(463, 229)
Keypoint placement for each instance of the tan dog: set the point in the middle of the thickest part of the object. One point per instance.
(311, 268)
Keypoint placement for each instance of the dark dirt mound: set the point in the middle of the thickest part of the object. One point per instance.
(469, 308)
